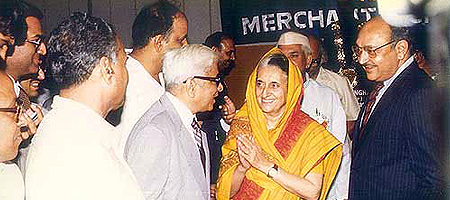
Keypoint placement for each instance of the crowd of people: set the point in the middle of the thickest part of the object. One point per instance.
(178, 135)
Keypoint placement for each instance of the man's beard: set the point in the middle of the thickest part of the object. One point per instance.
(226, 68)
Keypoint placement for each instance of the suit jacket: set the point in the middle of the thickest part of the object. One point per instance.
(397, 155)
(164, 157)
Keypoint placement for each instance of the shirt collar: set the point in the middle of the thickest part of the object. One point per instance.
(402, 68)
(16, 85)
(183, 111)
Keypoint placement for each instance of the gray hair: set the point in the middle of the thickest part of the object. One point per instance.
(185, 62)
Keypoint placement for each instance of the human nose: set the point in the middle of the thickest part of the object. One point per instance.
(233, 56)
(42, 49)
(41, 74)
(220, 87)
(363, 57)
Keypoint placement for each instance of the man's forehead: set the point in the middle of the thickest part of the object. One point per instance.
(291, 48)
(34, 26)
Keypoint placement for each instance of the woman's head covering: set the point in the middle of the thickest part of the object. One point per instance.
(254, 113)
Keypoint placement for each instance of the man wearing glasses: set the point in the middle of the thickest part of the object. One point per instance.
(397, 142)
(166, 149)
(11, 135)
(20, 22)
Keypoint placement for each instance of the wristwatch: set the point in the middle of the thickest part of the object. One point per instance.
(273, 171)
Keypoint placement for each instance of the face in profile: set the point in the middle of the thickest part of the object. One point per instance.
(121, 73)
(10, 137)
(178, 37)
(208, 90)
(271, 90)
(27, 58)
(227, 54)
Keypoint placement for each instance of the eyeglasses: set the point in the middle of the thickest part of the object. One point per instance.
(372, 52)
(217, 80)
(17, 110)
(36, 42)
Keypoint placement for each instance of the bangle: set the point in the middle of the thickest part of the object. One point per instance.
(272, 171)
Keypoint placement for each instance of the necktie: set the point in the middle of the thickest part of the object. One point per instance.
(23, 99)
(372, 98)
(198, 142)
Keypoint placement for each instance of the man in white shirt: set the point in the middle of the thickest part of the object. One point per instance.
(74, 155)
(338, 83)
(157, 28)
(321, 103)
(166, 150)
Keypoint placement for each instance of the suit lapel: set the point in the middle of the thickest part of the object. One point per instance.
(385, 102)
(189, 148)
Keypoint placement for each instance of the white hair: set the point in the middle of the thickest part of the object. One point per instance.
(190, 60)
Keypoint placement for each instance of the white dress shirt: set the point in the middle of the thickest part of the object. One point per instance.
(142, 91)
(341, 86)
(323, 105)
(11, 182)
(73, 156)
(16, 86)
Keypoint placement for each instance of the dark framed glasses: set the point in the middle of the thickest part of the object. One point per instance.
(37, 42)
(217, 80)
(17, 110)
(372, 52)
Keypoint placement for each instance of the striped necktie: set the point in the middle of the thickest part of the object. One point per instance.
(198, 142)
(370, 103)
(23, 99)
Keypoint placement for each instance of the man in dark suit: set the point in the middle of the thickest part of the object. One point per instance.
(395, 139)
(213, 122)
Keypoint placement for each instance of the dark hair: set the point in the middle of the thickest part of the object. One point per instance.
(279, 60)
(76, 46)
(214, 39)
(12, 19)
(401, 33)
(154, 19)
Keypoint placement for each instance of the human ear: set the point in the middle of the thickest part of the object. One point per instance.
(308, 61)
(191, 87)
(106, 70)
(401, 48)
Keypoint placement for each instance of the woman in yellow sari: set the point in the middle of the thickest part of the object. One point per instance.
(274, 150)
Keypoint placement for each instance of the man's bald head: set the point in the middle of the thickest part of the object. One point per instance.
(382, 49)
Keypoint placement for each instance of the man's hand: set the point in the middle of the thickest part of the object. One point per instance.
(228, 109)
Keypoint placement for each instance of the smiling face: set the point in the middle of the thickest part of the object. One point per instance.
(384, 65)
(27, 58)
(271, 90)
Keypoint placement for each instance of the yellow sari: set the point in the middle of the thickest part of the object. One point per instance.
(297, 144)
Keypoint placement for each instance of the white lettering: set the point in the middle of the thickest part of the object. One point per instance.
(283, 18)
(246, 23)
(312, 18)
(332, 17)
(268, 20)
(296, 21)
